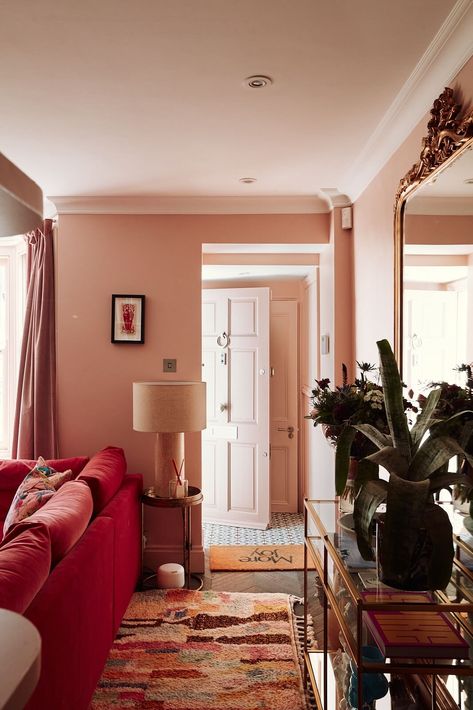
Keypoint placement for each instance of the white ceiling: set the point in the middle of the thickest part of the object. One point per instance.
(146, 98)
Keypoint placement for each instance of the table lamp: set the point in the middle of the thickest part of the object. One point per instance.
(169, 409)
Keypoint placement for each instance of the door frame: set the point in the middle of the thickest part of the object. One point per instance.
(303, 340)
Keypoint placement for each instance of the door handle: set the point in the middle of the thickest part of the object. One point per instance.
(289, 429)
(222, 340)
(223, 407)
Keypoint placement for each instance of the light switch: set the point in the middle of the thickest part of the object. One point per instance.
(169, 365)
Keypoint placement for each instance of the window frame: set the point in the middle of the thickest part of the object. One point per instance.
(13, 255)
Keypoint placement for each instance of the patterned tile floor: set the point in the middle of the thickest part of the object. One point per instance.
(284, 529)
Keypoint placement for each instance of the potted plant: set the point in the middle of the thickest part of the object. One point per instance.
(416, 549)
(338, 410)
(453, 400)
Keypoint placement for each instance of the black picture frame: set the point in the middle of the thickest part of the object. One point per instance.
(128, 318)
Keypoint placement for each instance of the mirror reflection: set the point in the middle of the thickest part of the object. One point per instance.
(438, 277)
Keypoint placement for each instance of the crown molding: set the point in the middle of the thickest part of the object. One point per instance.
(447, 53)
(189, 205)
(451, 206)
(335, 198)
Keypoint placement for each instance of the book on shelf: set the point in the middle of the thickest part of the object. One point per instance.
(412, 634)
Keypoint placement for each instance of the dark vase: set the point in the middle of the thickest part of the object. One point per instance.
(416, 575)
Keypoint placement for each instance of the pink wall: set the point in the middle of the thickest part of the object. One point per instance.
(287, 289)
(439, 229)
(156, 255)
(344, 306)
(373, 228)
(159, 256)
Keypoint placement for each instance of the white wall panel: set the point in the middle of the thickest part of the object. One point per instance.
(243, 320)
(242, 490)
(242, 386)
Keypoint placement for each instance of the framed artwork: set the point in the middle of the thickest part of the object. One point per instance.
(128, 319)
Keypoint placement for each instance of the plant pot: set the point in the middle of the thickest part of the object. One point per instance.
(416, 576)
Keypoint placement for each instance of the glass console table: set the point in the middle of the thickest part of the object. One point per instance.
(342, 579)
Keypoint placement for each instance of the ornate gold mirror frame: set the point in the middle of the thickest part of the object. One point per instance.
(450, 132)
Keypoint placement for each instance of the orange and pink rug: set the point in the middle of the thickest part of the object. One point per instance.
(186, 650)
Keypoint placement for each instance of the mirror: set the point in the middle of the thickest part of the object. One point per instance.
(434, 251)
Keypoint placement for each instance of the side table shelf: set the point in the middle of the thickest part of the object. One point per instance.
(434, 682)
(185, 504)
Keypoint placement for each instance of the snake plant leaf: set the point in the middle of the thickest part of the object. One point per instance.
(405, 506)
(424, 420)
(393, 400)
(366, 471)
(433, 454)
(378, 438)
(371, 495)
(467, 432)
(439, 530)
(445, 479)
(459, 422)
(391, 460)
(342, 457)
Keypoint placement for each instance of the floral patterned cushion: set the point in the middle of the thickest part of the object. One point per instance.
(38, 486)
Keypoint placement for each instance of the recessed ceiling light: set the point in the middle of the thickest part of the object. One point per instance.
(247, 180)
(469, 181)
(258, 81)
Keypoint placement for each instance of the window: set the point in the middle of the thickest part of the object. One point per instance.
(12, 313)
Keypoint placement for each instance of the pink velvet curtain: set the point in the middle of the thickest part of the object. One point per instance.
(34, 432)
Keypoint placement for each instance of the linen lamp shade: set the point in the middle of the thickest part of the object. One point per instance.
(169, 406)
(169, 409)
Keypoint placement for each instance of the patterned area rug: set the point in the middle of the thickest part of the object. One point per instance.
(284, 529)
(185, 650)
(256, 558)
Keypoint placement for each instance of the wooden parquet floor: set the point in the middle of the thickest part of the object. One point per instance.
(291, 582)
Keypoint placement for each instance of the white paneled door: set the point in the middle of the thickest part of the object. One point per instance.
(235, 445)
(432, 348)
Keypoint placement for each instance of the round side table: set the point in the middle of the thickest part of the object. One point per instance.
(194, 497)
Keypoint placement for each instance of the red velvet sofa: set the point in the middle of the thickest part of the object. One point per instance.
(71, 568)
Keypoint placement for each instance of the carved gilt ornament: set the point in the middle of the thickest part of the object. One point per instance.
(450, 131)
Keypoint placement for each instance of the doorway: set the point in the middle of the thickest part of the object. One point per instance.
(284, 415)
(235, 444)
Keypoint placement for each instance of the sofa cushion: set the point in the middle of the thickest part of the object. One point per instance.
(104, 475)
(38, 486)
(25, 561)
(13, 471)
(66, 516)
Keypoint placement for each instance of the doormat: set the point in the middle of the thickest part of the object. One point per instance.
(179, 649)
(254, 558)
